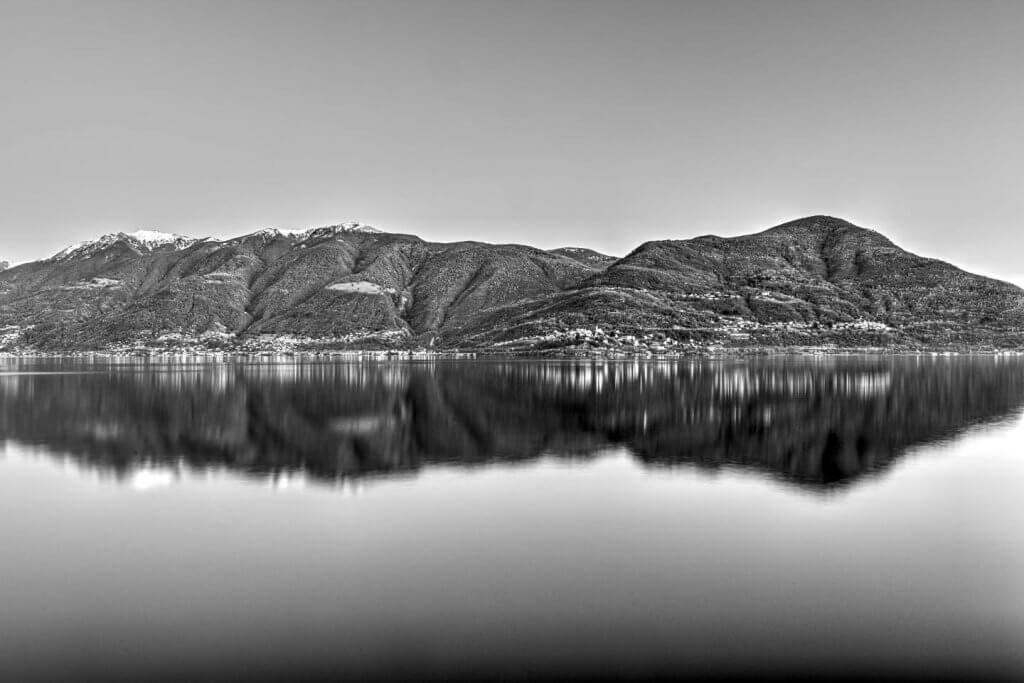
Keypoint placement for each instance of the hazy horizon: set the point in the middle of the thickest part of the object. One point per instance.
(596, 124)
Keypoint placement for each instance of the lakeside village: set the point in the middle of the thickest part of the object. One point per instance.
(734, 336)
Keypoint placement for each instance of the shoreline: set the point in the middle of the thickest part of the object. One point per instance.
(491, 354)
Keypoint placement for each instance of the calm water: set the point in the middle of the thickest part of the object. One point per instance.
(512, 518)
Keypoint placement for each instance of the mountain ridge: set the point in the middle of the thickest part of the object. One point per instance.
(818, 280)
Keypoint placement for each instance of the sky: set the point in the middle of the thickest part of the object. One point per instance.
(599, 124)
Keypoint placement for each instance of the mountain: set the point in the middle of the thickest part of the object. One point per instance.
(813, 281)
(584, 255)
(142, 241)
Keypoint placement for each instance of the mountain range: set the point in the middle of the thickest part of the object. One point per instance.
(815, 281)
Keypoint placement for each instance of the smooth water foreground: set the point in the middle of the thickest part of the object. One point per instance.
(860, 516)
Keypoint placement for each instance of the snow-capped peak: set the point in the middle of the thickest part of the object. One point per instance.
(155, 238)
(338, 229)
(150, 240)
(70, 249)
(143, 240)
(353, 227)
(305, 233)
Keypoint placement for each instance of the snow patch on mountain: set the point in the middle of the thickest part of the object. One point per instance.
(94, 283)
(353, 227)
(328, 229)
(154, 238)
(146, 241)
(361, 287)
(303, 234)
(142, 240)
(70, 249)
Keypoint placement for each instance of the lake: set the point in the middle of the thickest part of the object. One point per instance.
(381, 519)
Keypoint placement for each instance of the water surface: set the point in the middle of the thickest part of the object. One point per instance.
(772, 517)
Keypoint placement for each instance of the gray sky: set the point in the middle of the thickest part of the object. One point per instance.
(553, 123)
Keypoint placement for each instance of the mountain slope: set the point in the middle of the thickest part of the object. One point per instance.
(817, 268)
(814, 280)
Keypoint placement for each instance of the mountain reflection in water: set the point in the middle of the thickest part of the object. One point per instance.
(815, 422)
